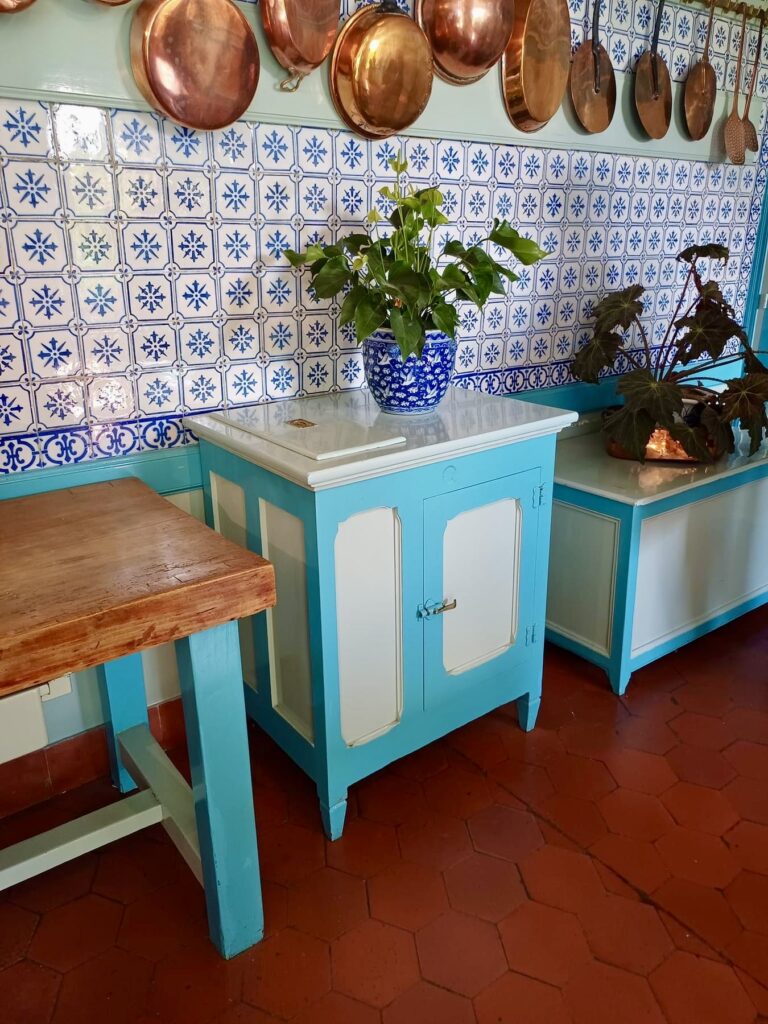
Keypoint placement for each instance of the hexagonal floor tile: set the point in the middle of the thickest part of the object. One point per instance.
(695, 990)
(460, 953)
(438, 841)
(626, 933)
(636, 815)
(76, 932)
(407, 895)
(544, 943)
(364, 849)
(515, 999)
(601, 994)
(561, 878)
(425, 1002)
(374, 963)
(698, 857)
(484, 886)
(748, 895)
(503, 832)
(112, 987)
(699, 807)
(327, 903)
(287, 973)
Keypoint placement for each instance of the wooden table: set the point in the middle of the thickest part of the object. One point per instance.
(92, 576)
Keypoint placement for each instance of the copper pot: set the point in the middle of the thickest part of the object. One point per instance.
(381, 71)
(467, 36)
(535, 65)
(195, 61)
(14, 6)
(300, 34)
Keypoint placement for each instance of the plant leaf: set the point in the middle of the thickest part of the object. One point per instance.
(524, 249)
(712, 252)
(331, 278)
(744, 399)
(619, 309)
(409, 333)
(370, 313)
(455, 278)
(445, 317)
(693, 440)
(348, 307)
(597, 355)
(631, 429)
(661, 399)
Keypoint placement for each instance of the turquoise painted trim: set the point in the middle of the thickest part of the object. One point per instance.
(755, 322)
(428, 709)
(41, 57)
(166, 471)
(125, 701)
(214, 714)
(578, 396)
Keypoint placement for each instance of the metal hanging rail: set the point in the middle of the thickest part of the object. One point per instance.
(731, 7)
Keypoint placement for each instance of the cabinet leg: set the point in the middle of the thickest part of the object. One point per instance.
(619, 676)
(125, 701)
(214, 714)
(333, 810)
(527, 710)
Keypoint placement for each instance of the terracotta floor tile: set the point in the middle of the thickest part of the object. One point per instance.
(750, 759)
(683, 938)
(163, 921)
(407, 895)
(460, 953)
(561, 878)
(528, 782)
(602, 994)
(391, 799)
(750, 798)
(28, 993)
(750, 952)
(457, 793)
(648, 735)
(644, 701)
(694, 990)
(422, 764)
(327, 903)
(240, 1013)
(636, 862)
(704, 910)
(579, 819)
(705, 694)
(626, 933)
(544, 942)
(365, 848)
(287, 973)
(76, 932)
(484, 886)
(17, 926)
(56, 887)
(479, 741)
(613, 883)
(580, 777)
(757, 993)
(334, 1008)
(503, 832)
(637, 815)
(749, 844)
(77, 760)
(425, 1002)
(588, 739)
(637, 769)
(112, 987)
(539, 747)
(748, 724)
(374, 963)
(702, 731)
(194, 985)
(748, 895)
(698, 807)
(698, 857)
(135, 866)
(23, 782)
(515, 999)
(700, 766)
(439, 841)
(290, 852)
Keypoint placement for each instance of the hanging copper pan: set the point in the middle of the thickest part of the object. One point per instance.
(593, 83)
(534, 68)
(14, 6)
(381, 71)
(467, 36)
(300, 34)
(196, 61)
(653, 87)
(701, 90)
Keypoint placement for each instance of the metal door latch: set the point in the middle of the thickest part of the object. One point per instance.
(430, 608)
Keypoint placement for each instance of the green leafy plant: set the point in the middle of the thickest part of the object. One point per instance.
(659, 389)
(390, 275)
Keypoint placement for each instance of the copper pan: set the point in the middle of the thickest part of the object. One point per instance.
(701, 90)
(467, 36)
(534, 68)
(653, 87)
(381, 71)
(300, 34)
(196, 61)
(14, 6)
(593, 83)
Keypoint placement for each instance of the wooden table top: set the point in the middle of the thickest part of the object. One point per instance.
(92, 573)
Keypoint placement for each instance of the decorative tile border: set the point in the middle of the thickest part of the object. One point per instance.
(142, 273)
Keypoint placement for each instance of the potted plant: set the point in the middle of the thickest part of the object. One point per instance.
(673, 407)
(401, 298)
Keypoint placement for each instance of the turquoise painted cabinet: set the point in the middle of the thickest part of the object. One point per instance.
(411, 563)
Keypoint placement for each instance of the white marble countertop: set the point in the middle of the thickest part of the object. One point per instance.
(464, 422)
(583, 463)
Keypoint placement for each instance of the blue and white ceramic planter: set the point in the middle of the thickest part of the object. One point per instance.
(410, 387)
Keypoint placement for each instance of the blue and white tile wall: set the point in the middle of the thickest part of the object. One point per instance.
(142, 273)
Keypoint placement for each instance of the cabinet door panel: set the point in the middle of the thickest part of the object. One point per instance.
(479, 551)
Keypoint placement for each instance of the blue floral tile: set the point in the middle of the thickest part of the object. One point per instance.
(282, 378)
(136, 137)
(240, 292)
(274, 147)
(141, 193)
(185, 145)
(39, 246)
(146, 245)
(32, 188)
(235, 195)
(244, 384)
(114, 439)
(202, 389)
(155, 345)
(241, 338)
(233, 146)
(94, 246)
(189, 194)
(106, 349)
(25, 128)
(60, 403)
(46, 302)
(110, 398)
(157, 392)
(90, 190)
(100, 300)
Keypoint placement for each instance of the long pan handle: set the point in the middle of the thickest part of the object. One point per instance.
(705, 56)
(596, 44)
(754, 68)
(655, 50)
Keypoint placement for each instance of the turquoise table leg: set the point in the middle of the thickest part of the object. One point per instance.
(528, 709)
(214, 712)
(125, 702)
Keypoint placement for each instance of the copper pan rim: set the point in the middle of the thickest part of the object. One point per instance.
(194, 61)
(474, 50)
(380, 75)
(300, 33)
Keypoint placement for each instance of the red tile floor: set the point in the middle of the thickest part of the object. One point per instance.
(609, 868)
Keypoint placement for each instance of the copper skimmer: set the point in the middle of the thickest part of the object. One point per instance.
(196, 61)
(653, 88)
(300, 34)
(701, 90)
(733, 132)
(750, 132)
(467, 36)
(593, 83)
(534, 68)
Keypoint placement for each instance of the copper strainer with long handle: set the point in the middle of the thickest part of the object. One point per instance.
(734, 135)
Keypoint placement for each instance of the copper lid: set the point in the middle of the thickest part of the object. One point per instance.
(381, 71)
